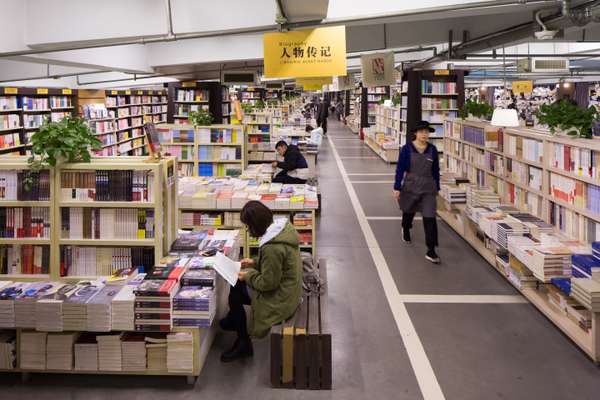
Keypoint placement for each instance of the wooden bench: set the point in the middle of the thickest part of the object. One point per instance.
(301, 346)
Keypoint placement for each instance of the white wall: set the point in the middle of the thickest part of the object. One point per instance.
(12, 29)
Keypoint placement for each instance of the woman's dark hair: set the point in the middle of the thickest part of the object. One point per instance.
(257, 217)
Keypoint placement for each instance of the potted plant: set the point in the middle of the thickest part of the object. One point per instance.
(566, 116)
(247, 108)
(397, 99)
(260, 105)
(66, 141)
(476, 109)
(200, 118)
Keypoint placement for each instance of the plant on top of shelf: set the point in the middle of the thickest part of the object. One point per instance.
(260, 105)
(397, 99)
(273, 102)
(382, 100)
(66, 141)
(247, 108)
(566, 116)
(476, 108)
(200, 117)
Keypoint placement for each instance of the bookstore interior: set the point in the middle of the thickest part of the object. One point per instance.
(179, 180)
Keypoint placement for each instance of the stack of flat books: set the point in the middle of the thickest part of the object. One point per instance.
(133, 348)
(194, 306)
(506, 229)
(180, 352)
(75, 307)
(156, 351)
(99, 312)
(586, 292)
(204, 277)
(49, 309)
(59, 351)
(8, 294)
(86, 352)
(585, 266)
(8, 349)
(519, 274)
(33, 350)
(454, 194)
(122, 314)
(153, 305)
(109, 352)
(25, 304)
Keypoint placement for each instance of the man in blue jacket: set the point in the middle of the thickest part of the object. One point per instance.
(416, 185)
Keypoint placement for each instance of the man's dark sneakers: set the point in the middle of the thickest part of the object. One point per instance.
(406, 236)
(432, 256)
(241, 348)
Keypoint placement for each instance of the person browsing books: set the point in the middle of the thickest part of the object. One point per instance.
(274, 278)
(294, 168)
(416, 185)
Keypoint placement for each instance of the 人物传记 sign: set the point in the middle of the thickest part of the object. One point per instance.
(305, 53)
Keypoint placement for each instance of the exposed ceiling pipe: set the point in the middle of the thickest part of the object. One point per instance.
(570, 55)
(275, 27)
(170, 34)
(400, 51)
(55, 76)
(281, 19)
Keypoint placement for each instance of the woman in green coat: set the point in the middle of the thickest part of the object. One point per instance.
(274, 279)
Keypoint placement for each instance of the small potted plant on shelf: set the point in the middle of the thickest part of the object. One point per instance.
(475, 109)
(247, 108)
(397, 99)
(66, 141)
(200, 118)
(567, 117)
(260, 105)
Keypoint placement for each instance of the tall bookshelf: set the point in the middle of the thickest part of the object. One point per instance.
(259, 130)
(23, 110)
(186, 97)
(549, 176)
(371, 97)
(226, 108)
(131, 109)
(215, 150)
(251, 95)
(433, 96)
(80, 179)
(385, 137)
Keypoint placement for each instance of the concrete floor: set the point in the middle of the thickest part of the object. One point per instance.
(475, 351)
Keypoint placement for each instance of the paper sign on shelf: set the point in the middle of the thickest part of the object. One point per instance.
(11, 90)
(522, 87)
(305, 53)
(441, 72)
(378, 69)
(128, 92)
(67, 91)
(42, 91)
(188, 84)
(140, 92)
(113, 92)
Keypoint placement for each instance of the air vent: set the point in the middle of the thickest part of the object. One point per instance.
(550, 65)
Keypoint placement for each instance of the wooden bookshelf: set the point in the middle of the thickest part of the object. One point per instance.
(163, 204)
(251, 95)
(23, 110)
(186, 97)
(192, 164)
(258, 126)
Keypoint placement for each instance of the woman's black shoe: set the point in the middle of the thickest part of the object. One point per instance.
(240, 349)
(227, 324)
(406, 235)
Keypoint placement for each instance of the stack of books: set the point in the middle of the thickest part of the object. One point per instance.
(507, 229)
(49, 309)
(59, 351)
(33, 350)
(156, 350)
(109, 352)
(86, 352)
(586, 292)
(75, 307)
(8, 349)
(194, 306)
(153, 305)
(535, 225)
(99, 309)
(519, 274)
(482, 197)
(8, 294)
(25, 304)
(585, 266)
(122, 309)
(454, 194)
(202, 277)
(180, 352)
(133, 348)
(546, 261)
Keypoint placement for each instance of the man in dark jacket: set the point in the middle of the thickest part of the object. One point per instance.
(322, 115)
(294, 168)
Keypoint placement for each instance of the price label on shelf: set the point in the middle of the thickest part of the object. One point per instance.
(113, 92)
(188, 84)
(128, 92)
(140, 92)
(441, 72)
(67, 91)
(150, 91)
(11, 90)
(42, 91)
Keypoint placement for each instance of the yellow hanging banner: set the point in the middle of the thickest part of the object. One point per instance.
(314, 81)
(522, 87)
(312, 86)
(305, 53)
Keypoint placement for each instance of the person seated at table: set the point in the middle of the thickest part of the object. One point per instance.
(274, 278)
(294, 168)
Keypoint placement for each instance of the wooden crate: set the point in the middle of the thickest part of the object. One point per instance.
(301, 356)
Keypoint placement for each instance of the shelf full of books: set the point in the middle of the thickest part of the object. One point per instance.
(85, 220)
(259, 130)
(216, 203)
(251, 95)
(374, 96)
(189, 99)
(533, 198)
(385, 137)
(158, 322)
(212, 151)
(24, 110)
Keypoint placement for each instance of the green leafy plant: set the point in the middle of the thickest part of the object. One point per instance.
(566, 116)
(200, 117)
(475, 108)
(66, 141)
(382, 100)
(260, 105)
(247, 108)
(397, 99)
(273, 102)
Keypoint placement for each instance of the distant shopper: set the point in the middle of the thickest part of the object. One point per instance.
(416, 186)
(294, 168)
(322, 115)
(274, 277)
(339, 109)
